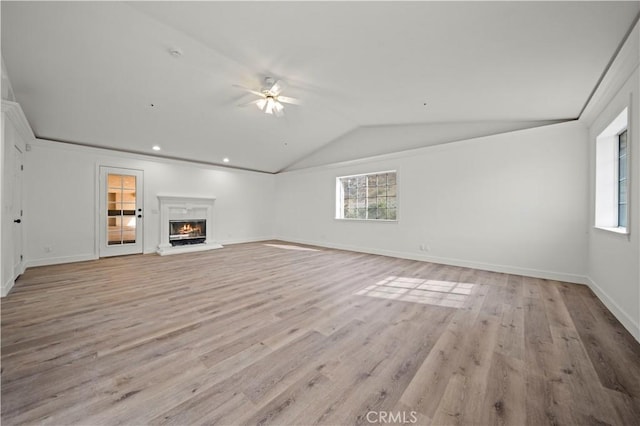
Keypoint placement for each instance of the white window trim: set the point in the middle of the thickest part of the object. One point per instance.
(606, 175)
(618, 230)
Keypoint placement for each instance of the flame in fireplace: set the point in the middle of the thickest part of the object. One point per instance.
(188, 229)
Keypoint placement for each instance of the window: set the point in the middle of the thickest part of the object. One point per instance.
(622, 179)
(367, 197)
(612, 176)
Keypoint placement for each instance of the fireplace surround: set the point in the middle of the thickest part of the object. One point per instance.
(186, 224)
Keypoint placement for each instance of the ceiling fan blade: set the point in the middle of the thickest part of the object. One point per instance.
(249, 103)
(288, 100)
(278, 109)
(246, 89)
(268, 108)
(276, 88)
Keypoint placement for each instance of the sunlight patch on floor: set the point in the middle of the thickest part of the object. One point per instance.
(432, 292)
(291, 247)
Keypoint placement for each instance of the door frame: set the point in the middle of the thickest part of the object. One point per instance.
(18, 267)
(101, 247)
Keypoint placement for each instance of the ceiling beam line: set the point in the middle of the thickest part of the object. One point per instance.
(606, 69)
(148, 154)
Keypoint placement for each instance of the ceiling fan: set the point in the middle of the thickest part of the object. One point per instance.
(271, 100)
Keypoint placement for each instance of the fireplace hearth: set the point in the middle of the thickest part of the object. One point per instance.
(183, 232)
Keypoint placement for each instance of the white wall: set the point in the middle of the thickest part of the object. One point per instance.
(6, 89)
(61, 199)
(614, 259)
(513, 202)
(370, 141)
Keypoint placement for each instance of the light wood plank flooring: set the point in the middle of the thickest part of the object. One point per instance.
(271, 334)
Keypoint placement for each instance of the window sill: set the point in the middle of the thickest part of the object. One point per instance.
(622, 231)
(367, 220)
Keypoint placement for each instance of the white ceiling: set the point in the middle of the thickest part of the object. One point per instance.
(89, 72)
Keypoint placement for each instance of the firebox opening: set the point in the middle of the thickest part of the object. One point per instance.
(182, 232)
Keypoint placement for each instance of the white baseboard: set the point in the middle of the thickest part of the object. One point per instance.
(6, 287)
(632, 326)
(44, 261)
(246, 240)
(515, 270)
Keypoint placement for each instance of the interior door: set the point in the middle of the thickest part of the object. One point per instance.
(121, 215)
(16, 209)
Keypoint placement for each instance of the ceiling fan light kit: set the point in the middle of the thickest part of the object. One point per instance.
(271, 102)
(270, 105)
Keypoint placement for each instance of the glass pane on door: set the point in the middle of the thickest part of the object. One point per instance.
(121, 209)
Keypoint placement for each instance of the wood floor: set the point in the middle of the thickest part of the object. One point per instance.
(273, 334)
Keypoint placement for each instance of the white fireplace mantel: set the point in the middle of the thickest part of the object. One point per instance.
(174, 207)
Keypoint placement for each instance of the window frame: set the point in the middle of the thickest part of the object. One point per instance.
(340, 197)
(607, 176)
(623, 207)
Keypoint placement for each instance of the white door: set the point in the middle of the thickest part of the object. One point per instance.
(16, 209)
(121, 214)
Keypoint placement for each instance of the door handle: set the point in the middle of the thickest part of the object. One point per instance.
(140, 216)
(18, 221)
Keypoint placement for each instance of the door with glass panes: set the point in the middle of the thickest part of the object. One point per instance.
(120, 211)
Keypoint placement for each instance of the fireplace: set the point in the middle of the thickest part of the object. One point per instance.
(183, 232)
(186, 224)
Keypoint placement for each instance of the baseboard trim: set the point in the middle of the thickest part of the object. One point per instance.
(624, 318)
(31, 263)
(246, 240)
(6, 287)
(536, 273)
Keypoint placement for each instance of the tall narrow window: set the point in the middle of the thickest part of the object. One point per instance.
(368, 197)
(622, 179)
(612, 176)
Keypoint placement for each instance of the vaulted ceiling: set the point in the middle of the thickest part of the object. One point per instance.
(400, 74)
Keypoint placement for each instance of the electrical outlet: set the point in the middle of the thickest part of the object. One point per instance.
(422, 247)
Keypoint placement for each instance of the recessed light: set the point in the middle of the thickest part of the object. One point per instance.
(155, 148)
(225, 160)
